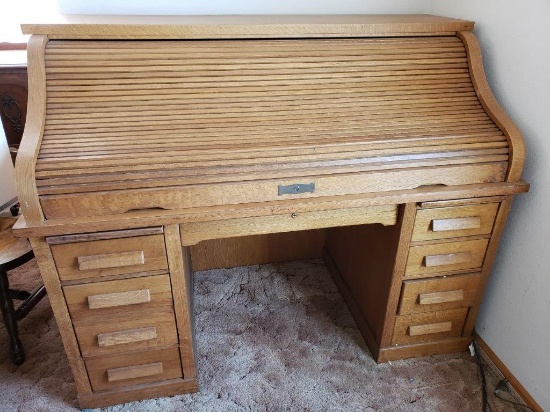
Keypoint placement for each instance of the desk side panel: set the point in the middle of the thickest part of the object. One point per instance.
(492, 107)
(34, 131)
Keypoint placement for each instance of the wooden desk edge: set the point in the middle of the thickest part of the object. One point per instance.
(245, 26)
(155, 217)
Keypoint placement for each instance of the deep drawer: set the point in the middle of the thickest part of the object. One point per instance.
(81, 260)
(127, 332)
(429, 326)
(442, 258)
(426, 295)
(132, 369)
(103, 299)
(449, 222)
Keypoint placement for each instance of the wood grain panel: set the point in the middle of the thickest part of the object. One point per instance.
(98, 367)
(429, 326)
(441, 293)
(192, 233)
(118, 202)
(127, 336)
(49, 274)
(259, 249)
(443, 258)
(114, 299)
(66, 256)
(242, 117)
(123, 332)
(33, 134)
(491, 106)
(110, 260)
(449, 222)
(247, 26)
(118, 296)
(181, 277)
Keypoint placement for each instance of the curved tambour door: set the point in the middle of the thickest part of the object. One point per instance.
(179, 124)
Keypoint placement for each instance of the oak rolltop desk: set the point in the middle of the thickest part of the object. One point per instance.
(148, 135)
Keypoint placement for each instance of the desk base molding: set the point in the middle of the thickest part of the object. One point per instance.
(424, 349)
(100, 399)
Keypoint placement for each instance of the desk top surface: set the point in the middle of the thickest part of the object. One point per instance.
(244, 26)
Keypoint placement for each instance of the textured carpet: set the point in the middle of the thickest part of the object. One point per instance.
(269, 338)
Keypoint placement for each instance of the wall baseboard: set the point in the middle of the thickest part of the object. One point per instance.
(516, 385)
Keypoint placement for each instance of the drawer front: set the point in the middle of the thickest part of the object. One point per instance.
(194, 232)
(127, 332)
(429, 326)
(133, 369)
(436, 294)
(449, 222)
(103, 299)
(441, 258)
(81, 260)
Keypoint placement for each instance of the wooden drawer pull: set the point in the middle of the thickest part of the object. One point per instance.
(133, 372)
(441, 297)
(110, 300)
(113, 260)
(429, 328)
(450, 259)
(459, 223)
(126, 336)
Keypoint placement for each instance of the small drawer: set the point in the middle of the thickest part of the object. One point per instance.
(89, 259)
(457, 221)
(127, 332)
(103, 299)
(133, 369)
(426, 295)
(442, 258)
(429, 326)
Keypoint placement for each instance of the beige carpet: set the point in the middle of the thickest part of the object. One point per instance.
(269, 338)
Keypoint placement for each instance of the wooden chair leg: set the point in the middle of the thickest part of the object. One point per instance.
(10, 319)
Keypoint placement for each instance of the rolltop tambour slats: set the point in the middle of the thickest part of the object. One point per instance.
(148, 115)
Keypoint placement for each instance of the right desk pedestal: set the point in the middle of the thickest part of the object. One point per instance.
(415, 288)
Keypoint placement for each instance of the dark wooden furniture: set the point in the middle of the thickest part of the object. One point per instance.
(13, 95)
(13, 253)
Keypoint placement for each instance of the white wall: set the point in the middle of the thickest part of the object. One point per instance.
(8, 191)
(243, 6)
(515, 317)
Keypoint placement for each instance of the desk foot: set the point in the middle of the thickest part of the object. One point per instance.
(172, 387)
(424, 349)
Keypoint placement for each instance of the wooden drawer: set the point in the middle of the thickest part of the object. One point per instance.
(102, 299)
(194, 232)
(426, 295)
(448, 257)
(429, 326)
(127, 332)
(81, 260)
(449, 222)
(133, 369)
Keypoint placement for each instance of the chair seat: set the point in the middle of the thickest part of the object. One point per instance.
(12, 248)
(13, 253)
